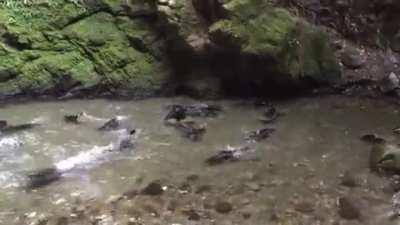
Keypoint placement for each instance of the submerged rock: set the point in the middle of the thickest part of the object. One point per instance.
(223, 207)
(349, 180)
(348, 208)
(154, 188)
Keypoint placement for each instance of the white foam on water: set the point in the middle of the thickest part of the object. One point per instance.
(10, 142)
(85, 159)
(39, 119)
(8, 180)
(93, 118)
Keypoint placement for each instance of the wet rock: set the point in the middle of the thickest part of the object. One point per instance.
(348, 209)
(396, 204)
(62, 220)
(372, 139)
(154, 188)
(352, 58)
(72, 118)
(223, 207)
(193, 177)
(395, 183)
(246, 215)
(253, 186)
(112, 124)
(131, 194)
(191, 214)
(203, 188)
(185, 188)
(396, 130)
(260, 134)
(349, 180)
(304, 207)
(390, 83)
(230, 154)
(43, 177)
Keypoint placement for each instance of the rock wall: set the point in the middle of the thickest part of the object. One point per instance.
(62, 47)
(140, 48)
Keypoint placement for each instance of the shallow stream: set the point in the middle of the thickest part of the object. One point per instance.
(294, 178)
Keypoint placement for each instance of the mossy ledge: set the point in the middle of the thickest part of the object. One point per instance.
(139, 49)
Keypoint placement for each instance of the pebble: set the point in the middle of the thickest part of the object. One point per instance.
(304, 207)
(348, 209)
(154, 188)
(223, 207)
(253, 186)
(348, 180)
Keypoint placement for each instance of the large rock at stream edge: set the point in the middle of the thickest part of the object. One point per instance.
(288, 47)
(52, 48)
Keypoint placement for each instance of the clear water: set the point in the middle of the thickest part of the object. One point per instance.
(316, 141)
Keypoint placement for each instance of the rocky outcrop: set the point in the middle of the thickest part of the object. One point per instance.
(283, 47)
(132, 48)
(61, 47)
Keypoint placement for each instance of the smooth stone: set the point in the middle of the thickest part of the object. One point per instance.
(348, 209)
(223, 207)
(304, 207)
(352, 58)
(349, 180)
(154, 188)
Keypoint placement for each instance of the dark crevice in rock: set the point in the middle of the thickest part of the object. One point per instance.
(14, 41)
(82, 17)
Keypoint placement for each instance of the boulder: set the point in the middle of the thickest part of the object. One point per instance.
(93, 46)
(289, 49)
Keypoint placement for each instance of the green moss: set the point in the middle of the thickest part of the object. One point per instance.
(255, 27)
(306, 52)
(51, 69)
(59, 44)
(95, 30)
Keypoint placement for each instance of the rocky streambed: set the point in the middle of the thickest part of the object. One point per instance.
(310, 167)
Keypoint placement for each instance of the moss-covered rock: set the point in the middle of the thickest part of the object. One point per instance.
(298, 49)
(50, 48)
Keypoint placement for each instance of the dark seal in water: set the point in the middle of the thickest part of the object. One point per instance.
(72, 118)
(230, 154)
(112, 124)
(7, 129)
(43, 177)
(180, 112)
(260, 134)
